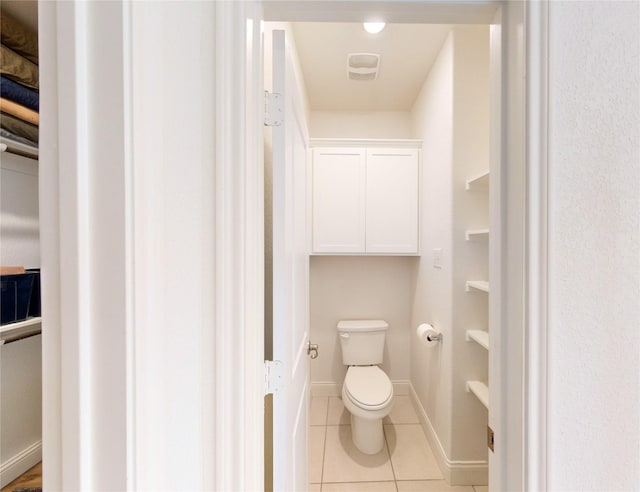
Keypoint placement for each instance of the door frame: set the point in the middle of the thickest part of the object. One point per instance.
(77, 431)
(519, 271)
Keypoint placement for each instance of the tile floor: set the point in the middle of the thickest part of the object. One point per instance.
(405, 464)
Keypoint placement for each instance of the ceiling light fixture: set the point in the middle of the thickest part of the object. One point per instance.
(373, 27)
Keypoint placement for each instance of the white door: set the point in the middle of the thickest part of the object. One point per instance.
(290, 277)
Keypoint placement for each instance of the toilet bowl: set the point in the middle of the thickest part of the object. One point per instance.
(367, 393)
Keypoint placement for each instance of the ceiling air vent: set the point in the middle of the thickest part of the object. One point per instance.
(363, 66)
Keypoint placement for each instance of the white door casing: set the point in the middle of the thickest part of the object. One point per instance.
(152, 342)
(513, 459)
(71, 432)
(290, 277)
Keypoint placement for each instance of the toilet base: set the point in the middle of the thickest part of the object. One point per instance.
(367, 435)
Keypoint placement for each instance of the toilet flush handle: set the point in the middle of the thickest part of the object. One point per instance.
(344, 335)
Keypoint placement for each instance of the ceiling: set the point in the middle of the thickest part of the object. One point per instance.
(407, 53)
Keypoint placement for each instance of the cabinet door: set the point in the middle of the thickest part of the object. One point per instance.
(392, 201)
(338, 200)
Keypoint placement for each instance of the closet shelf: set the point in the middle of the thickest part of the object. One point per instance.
(481, 337)
(480, 390)
(21, 324)
(480, 182)
(472, 285)
(8, 145)
(22, 329)
(477, 234)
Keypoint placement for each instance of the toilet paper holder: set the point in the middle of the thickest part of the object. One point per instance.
(428, 335)
(434, 337)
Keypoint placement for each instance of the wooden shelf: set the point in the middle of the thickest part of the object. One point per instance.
(481, 285)
(481, 391)
(479, 336)
(477, 234)
(480, 182)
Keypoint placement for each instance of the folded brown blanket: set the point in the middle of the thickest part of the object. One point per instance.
(15, 109)
(19, 127)
(18, 37)
(18, 68)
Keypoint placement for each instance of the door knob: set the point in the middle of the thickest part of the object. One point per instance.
(312, 350)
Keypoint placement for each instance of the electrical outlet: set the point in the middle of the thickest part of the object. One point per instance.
(437, 258)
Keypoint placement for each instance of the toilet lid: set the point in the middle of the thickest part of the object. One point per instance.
(368, 386)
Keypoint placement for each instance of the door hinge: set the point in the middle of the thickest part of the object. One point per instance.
(273, 109)
(490, 438)
(272, 376)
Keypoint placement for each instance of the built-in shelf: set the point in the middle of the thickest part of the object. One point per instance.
(8, 145)
(22, 329)
(481, 391)
(477, 234)
(480, 182)
(20, 324)
(481, 285)
(479, 336)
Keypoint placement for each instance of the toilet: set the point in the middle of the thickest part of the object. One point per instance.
(367, 392)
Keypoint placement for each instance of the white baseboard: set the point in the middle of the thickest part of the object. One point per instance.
(401, 388)
(332, 388)
(20, 463)
(455, 472)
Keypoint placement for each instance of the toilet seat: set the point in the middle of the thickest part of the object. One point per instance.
(368, 387)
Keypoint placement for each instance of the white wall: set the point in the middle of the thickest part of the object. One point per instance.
(433, 119)
(19, 224)
(594, 246)
(360, 287)
(351, 287)
(360, 124)
(451, 115)
(21, 412)
(470, 259)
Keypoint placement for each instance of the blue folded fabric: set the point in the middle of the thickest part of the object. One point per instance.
(20, 94)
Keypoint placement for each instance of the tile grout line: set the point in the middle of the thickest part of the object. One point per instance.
(393, 471)
(339, 424)
(324, 445)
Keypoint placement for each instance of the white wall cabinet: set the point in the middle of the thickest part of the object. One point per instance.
(365, 197)
(339, 200)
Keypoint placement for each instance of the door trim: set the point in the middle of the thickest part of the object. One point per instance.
(239, 293)
(536, 355)
(235, 461)
(522, 208)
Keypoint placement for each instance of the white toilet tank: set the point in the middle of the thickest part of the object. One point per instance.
(362, 341)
